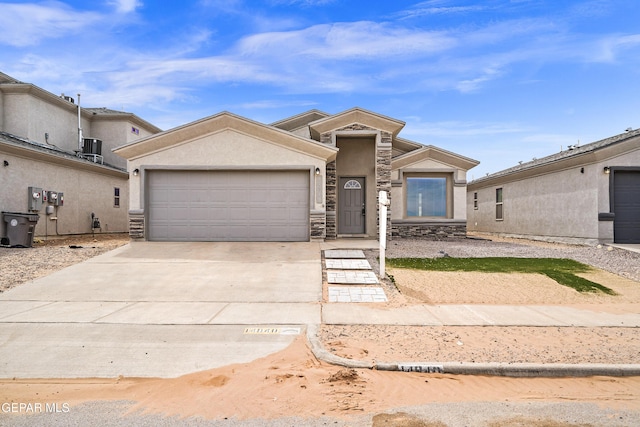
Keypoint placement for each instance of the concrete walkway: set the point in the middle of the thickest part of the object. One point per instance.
(474, 315)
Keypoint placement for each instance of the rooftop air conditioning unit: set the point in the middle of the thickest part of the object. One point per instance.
(67, 98)
(92, 146)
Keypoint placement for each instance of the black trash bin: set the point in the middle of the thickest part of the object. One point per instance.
(20, 229)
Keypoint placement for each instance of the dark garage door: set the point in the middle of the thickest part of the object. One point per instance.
(228, 205)
(626, 206)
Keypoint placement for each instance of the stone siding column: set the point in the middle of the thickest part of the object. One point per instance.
(136, 225)
(383, 176)
(332, 201)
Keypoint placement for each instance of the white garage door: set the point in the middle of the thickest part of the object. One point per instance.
(248, 206)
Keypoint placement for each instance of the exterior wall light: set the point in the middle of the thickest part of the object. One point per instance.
(5, 163)
(607, 170)
(317, 171)
(136, 172)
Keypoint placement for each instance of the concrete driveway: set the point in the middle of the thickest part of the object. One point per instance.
(161, 309)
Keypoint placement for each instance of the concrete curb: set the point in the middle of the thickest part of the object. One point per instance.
(466, 368)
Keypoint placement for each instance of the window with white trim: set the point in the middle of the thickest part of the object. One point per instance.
(475, 200)
(116, 197)
(499, 208)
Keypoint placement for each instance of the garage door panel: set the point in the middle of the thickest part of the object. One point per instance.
(228, 205)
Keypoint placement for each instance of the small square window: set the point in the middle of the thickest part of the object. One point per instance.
(116, 197)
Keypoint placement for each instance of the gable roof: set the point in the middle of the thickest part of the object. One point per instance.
(433, 153)
(104, 113)
(574, 155)
(300, 120)
(219, 122)
(355, 115)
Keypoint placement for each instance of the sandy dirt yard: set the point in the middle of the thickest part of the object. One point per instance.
(293, 383)
(292, 387)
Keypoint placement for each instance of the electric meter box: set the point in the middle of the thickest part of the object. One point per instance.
(34, 198)
(52, 197)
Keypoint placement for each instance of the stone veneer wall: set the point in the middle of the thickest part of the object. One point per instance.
(136, 224)
(318, 225)
(383, 176)
(430, 231)
(331, 231)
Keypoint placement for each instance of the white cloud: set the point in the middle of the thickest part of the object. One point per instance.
(426, 10)
(126, 6)
(609, 49)
(466, 86)
(26, 24)
(347, 41)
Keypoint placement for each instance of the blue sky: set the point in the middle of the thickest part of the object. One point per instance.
(500, 81)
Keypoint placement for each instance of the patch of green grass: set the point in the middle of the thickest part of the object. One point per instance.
(562, 271)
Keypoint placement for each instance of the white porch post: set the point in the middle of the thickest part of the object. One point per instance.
(383, 200)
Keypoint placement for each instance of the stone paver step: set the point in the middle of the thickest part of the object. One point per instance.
(355, 277)
(343, 253)
(356, 294)
(347, 264)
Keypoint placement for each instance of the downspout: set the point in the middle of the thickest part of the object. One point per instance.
(80, 141)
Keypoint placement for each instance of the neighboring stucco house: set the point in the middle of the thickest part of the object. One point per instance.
(41, 151)
(313, 176)
(585, 194)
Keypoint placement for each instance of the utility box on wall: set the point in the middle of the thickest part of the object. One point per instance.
(34, 198)
(52, 197)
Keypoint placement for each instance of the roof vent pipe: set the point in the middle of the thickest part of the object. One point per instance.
(80, 140)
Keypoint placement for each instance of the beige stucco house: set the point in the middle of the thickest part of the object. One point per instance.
(313, 176)
(584, 194)
(41, 152)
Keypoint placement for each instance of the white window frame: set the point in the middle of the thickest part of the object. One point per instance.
(499, 204)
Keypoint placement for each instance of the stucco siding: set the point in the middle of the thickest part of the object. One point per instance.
(84, 192)
(31, 117)
(225, 149)
(114, 133)
(564, 201)
(562, 204)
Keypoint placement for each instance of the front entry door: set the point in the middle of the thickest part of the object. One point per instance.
(351, 207)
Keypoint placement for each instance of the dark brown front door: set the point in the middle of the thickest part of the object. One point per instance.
(351, 206)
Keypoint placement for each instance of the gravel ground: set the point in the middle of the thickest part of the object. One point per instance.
(20, 265)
